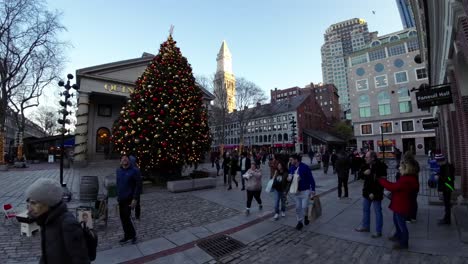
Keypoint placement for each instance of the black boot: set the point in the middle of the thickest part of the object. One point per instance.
(299, 225)
(306, 220)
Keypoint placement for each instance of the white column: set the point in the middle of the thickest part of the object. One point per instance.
(81, 133)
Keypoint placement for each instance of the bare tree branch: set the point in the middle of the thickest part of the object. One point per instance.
(248, 94)
(28, 43)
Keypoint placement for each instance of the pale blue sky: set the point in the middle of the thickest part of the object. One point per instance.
(273, 43)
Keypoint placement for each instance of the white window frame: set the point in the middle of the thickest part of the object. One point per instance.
(407, 77)
(401, 126)
(416, 74)
(380, 127)
(386, 80)
(367, 82)
(372, 129)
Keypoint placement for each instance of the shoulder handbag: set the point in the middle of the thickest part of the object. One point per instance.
(269, 185)
(315, 208)
(294, 183)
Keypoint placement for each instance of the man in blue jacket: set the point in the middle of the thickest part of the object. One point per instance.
(305, 189)
(128, 193)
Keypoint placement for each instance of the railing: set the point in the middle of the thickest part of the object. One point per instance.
(424, 176)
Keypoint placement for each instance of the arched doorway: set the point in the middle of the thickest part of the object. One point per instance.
(103, 141)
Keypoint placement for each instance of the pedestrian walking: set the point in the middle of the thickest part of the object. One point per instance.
(253, 186)
(372, 193)
(356, 163)
(280, 183)
(305, 189)
(233, 168)
(273, 164)
(326, 161)
(218, 167)
(342, 169)
(402, 196)
(446, 186)
(333, 159)
(128, 193)
(62, 238)
(133, 162)
(226, 166)
(245, 164)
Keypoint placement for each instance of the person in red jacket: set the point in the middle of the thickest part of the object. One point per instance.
(401, 204)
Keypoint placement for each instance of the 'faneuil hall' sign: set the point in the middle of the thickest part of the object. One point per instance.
(436, 95)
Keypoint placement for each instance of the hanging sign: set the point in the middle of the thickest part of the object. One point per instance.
(430, 123)
(435, 96)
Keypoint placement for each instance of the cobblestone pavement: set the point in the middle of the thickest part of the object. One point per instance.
(287, 245)
(158, 219)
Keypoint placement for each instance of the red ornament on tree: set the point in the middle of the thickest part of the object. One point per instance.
(132, 114)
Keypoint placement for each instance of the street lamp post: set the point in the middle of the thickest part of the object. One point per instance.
(382, 142)
(63, 121)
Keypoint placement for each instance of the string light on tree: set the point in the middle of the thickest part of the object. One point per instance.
(164, 122)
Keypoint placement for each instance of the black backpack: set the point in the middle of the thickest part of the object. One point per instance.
(91, 239)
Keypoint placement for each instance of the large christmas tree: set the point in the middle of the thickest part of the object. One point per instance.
(164, 123)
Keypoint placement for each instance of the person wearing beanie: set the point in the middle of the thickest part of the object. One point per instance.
(445, 185)
(62, 239)
(128, 193)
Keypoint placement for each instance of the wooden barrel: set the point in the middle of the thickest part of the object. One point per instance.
(89, 188)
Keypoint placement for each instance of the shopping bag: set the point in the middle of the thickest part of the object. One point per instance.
(294, 184)
(315, 208)
(269, 185)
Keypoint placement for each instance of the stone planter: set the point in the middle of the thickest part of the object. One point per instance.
(190, 185)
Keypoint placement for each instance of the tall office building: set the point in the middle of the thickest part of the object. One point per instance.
(406, 13)
(224, 78)
(342, 39)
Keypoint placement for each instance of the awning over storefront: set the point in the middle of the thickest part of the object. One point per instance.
(324, 137)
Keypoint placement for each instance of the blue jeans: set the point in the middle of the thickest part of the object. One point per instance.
(401, 231)
(302, 203)
(280, 196)
(366, 204)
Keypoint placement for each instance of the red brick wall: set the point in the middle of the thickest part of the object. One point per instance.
(459, 132)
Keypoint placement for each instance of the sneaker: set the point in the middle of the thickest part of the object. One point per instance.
(230, 188)
(299, 226)
(283, 214)
(243, 189)
(275, 217)
(260, 207)
(362, 229)
(247, 211)
(376, 235)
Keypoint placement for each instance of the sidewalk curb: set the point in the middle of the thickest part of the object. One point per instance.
(192, 244)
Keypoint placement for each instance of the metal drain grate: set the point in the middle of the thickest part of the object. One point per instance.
(220, 245)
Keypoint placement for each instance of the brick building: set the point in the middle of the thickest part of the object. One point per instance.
(326, 96)
(268, 126)
(443, 37)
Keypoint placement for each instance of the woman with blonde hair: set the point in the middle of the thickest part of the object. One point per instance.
(402, 195)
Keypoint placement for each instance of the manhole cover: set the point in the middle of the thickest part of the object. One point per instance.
(220, 245)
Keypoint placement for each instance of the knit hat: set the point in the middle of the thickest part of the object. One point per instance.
(46, 191)
(440, 157)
